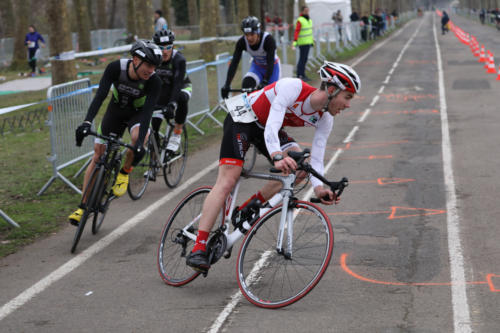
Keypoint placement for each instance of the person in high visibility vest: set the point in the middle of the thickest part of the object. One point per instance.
(303, 38)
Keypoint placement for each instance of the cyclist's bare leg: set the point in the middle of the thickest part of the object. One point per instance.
(99, 149)
(226, 180)
(129, 156)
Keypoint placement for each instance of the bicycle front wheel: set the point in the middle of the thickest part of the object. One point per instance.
(90, 194)
(177, 239)
(104, 197)
(274, 278)
(140, 176)
(176, 161)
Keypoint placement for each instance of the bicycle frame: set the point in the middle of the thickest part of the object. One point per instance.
(160, 154)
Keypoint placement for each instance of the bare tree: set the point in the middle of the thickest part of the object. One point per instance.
(91, 14)
(254, 8)
(83, 24)
(8, 22)
(19, 58)
(101, 14)
(167, 11)
(63, 70)
(289, 17)
(230, 13)
(112, 15)
(208, 20)
(131, 27)
(144, 21)
(193, 11)
(242, 9)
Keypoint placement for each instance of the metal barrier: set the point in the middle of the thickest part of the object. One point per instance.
(8, 219)
(199, 102)
(68, 104)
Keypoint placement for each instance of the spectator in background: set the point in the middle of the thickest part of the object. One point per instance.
(31, 41)
(303, 38)
(354, 16)
(482, 15)
(338, 19)
(444, 22)
(160, 21)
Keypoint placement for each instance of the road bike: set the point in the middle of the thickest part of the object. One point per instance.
(98, 194)
(287, 243)
(157, 158)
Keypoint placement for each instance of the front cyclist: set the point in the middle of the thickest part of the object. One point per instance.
(288, 102)
(265, 67)
(135, 89)
(176, 89)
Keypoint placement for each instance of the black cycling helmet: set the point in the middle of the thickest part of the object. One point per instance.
(250, 24)
(147, 51)
(164, 37)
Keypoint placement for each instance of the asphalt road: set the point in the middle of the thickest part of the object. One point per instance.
(415, 233)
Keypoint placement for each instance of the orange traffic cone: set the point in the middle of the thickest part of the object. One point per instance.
(498, 77)
(487, 62)
(482, 57)
(491, 64)
(476, 50)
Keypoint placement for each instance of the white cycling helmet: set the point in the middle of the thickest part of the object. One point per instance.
(340, 75)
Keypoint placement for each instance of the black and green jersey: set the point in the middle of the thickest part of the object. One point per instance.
(174, 77)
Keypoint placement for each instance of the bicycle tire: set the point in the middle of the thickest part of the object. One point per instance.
(90, 208)
(104, 198)
(174, 247)
(270, 280)
(250, 158)
(173, 170)
(139, 177)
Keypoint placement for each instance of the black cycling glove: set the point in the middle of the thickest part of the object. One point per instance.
(139, 153)
(262, 84)
(81, 132)
(224, 91)
(169, 110)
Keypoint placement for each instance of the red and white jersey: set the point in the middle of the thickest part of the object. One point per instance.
(287, 102)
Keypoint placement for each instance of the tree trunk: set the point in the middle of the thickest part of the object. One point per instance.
(302, 3)
(112, 15)
(230, 13)
(60, 42)
(289, 18)
(144, 21)
(242, 9)
(131, 28)
(83, 24)
(91, 14)
(254, 8)
(208, 20)
(20, 55)
(193, 11)
(167, 12)
(101, 14)
(8, 21)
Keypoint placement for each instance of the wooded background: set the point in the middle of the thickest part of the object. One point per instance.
(58, 18)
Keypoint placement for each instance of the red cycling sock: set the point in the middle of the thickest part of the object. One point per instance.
(201, 241)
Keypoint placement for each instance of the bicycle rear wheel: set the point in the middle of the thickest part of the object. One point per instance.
(175, 244)
(272, 279)
(176, 161)
(105, 196)
(140, 175)
(90, 194)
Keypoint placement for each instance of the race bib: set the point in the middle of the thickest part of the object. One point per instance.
(240, 110)
(31, 44)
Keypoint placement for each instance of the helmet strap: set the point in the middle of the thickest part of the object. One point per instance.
(136, 68)
(330, 96)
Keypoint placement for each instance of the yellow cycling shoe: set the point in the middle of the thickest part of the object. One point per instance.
(76, 216)
(121, 184)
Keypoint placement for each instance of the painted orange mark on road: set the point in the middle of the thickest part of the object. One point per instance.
(359, 145)
(425, 111)
(406, 97)
(369, 157)
(397, 212)
(343, 264)
(383, 181)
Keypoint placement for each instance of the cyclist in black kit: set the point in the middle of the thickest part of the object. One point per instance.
(176, 89)
(135, 89)
(265, 67)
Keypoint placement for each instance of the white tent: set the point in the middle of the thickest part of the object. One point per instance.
(321, 11)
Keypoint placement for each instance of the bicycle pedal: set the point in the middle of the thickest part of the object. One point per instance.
(227, 255)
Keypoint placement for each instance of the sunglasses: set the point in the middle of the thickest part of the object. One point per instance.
(166, 47)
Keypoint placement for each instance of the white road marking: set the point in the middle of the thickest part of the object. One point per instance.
(461, 314)
(351, 134)
(374, 100)
(98, 246)
(364, 115)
